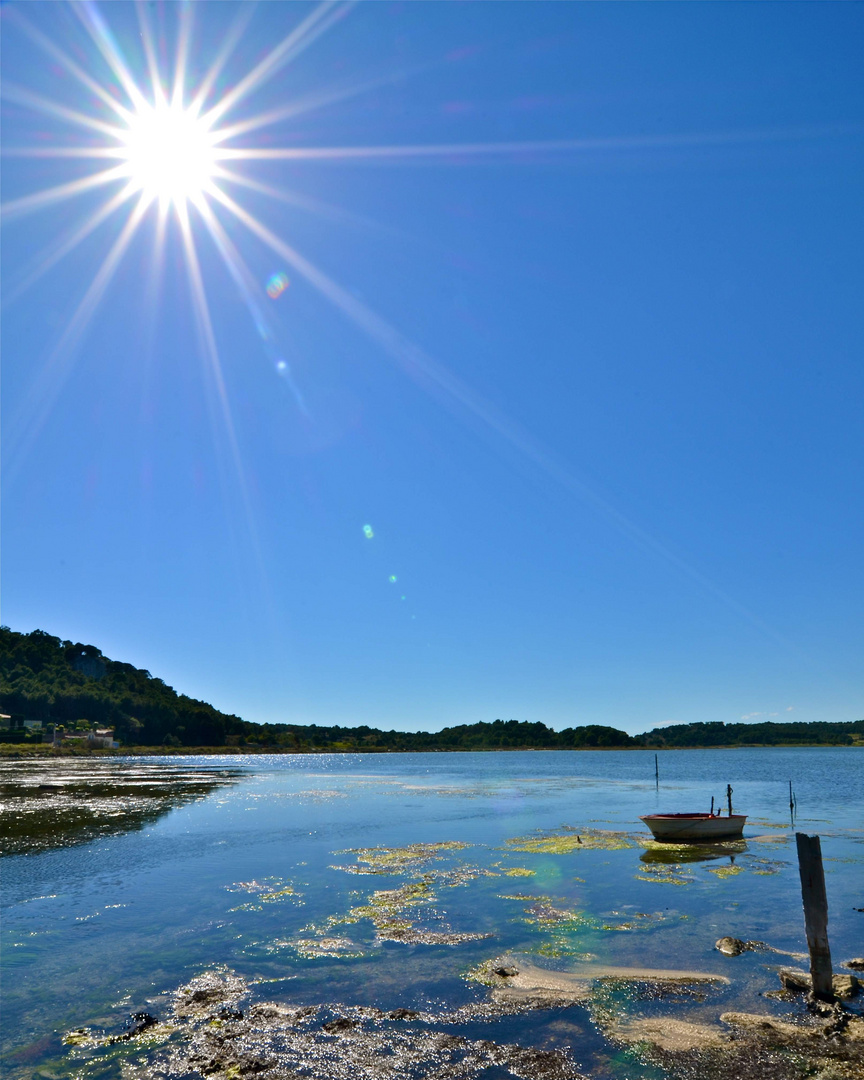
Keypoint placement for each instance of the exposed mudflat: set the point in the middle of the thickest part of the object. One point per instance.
(215, 1031)
(214, 1027)
(52, 804)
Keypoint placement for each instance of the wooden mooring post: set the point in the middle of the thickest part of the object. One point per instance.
(815, 914)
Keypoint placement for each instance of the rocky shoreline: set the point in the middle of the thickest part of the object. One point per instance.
(214, 1027)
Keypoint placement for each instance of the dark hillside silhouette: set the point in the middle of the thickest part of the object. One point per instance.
(71, 684)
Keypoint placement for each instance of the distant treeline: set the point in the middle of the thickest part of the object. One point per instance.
(768, 733)
(71, 684)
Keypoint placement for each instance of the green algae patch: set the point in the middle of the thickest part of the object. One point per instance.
(637, 920)
(664, 874)
(766, 866)
(487, 973)
(568, 839)
(393, 913)
(82, 1037)
(386, 904)
(389, 911)
(725, 871)
(525, 896)
(562, 929)
(455, 876)
(408, 859)
(332, 947)
(558, 951)
(548, 917)
(513, 871)
(116, 1046)
(267, 891)
(622, 927)
(277, 895)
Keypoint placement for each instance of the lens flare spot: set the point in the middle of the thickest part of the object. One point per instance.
(281, 365)
(368, 532)
(277, 284)
(392, 579)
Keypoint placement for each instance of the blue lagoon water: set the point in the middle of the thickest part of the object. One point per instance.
(386, 880)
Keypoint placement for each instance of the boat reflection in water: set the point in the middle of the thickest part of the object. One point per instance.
(671, 854)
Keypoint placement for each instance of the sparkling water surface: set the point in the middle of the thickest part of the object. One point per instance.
(127, 877)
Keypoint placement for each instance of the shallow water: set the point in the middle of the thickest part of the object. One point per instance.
(261, 865)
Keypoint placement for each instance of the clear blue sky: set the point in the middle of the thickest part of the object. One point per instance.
(598, 398)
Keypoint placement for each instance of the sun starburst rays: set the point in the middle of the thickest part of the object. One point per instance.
(49, 382)
(166, 138)
(160, 145)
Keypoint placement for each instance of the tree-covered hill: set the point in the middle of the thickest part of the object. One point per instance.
(70, 684)
(63, 682)
(768, 733)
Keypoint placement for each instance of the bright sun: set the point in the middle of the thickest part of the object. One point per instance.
(170, 153)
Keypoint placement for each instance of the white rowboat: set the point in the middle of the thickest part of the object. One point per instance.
(675, 827)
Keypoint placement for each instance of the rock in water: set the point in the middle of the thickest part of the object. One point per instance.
(733, 946)
(845, 986)
(792, 979)
(138, 1022)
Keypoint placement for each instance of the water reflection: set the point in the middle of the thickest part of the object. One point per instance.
(52, 804)
(670, 854)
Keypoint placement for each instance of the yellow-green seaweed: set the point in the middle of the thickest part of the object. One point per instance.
(664, 874)
(557, 948)
(390, 912)
(525, 896)
(269, 891)
(334, 947)
(546, 916)
(484, 973)
(383, 860)
(725, 871)
(569, 839)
